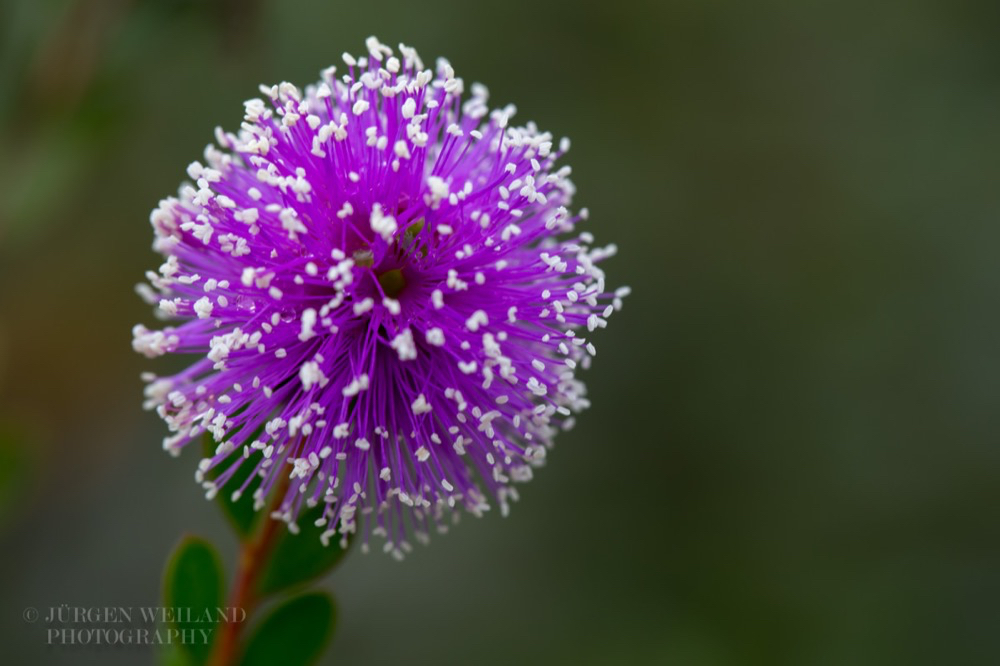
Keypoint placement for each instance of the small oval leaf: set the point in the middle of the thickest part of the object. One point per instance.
(299, 558)
(192, 593)
(295, 634)
(173, 655)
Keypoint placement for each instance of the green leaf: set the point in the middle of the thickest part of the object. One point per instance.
(294, 634)
(173, 655)
(299, 558)
(192, 591)
(240, 513)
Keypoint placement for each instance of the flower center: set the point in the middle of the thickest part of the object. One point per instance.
(392, 282)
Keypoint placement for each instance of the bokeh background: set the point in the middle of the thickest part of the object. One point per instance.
(792, 456)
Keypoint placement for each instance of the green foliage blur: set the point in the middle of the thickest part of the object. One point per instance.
(792, 455)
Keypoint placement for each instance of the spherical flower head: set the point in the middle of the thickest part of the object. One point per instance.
(387, 296)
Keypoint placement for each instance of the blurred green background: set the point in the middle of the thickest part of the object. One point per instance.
(792, 456)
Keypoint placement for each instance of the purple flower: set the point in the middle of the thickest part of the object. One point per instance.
(387, 296)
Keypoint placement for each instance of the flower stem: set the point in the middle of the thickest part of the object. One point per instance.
(253, 555)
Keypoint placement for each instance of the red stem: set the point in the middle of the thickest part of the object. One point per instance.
(253, 555)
